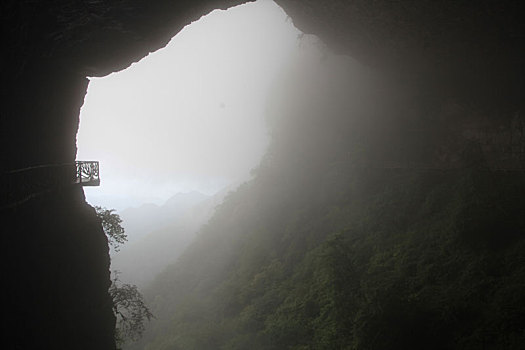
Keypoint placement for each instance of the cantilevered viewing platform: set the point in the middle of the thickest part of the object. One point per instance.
(87, 173)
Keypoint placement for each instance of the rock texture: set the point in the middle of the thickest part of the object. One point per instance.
(460, 49)
(55, 260)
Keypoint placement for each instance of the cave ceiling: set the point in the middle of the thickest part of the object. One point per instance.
(463, 49)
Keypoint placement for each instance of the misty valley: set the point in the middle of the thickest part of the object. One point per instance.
(363, 214)
(354, 231)
(263, 175)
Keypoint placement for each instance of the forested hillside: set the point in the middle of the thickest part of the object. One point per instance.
(335, 244)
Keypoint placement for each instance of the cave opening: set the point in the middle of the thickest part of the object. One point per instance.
(314, 228)
(188, 117)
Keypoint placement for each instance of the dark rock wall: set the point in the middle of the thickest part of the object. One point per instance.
(56, 275)
(458, 49)
(55, 258)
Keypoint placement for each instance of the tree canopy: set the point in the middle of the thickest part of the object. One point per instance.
(111, 224)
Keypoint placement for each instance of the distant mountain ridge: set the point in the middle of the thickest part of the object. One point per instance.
(139, 221)
(159, 234)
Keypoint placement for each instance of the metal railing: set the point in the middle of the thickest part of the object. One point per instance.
(87, 173)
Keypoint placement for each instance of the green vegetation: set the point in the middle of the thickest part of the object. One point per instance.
(423, 261)
(129, 307)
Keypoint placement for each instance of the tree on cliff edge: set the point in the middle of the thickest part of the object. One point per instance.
(130, 310)
(128, 303)
(111, 224)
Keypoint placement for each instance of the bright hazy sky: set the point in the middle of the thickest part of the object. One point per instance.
(189, 116)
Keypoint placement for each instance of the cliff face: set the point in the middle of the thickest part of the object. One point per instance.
(56, 261)
(56, 269)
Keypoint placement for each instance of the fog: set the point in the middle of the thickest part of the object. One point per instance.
(189, 117)
(374, 216)
(356, 186)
